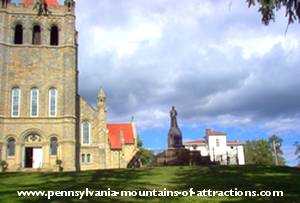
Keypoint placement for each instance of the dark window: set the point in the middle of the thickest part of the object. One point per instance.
(54, 37)
(53, 146)
(36, 35)
(18, 34)
(217, 142)
(11, 144)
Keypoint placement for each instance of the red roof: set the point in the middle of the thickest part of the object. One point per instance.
(201, 142)
(209, 132)
(298, 166)
(49, 3)
(115, 133)
(233, 142)
(195, 142)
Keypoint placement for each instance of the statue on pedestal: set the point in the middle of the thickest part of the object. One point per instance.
(174, 136)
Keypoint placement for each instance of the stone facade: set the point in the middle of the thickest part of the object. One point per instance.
(43, 66)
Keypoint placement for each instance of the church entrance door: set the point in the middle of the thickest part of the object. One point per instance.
(33, 157)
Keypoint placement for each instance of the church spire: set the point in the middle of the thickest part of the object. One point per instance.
(101, 99)
(101, 106)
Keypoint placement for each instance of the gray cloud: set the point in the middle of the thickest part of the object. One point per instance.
(214, 61)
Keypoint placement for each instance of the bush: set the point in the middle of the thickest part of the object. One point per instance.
(4, 165)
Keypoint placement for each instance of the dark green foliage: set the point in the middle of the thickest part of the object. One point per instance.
(3, 165)
(259, 152)
(139, 142)
(267, 9)
(147, 157)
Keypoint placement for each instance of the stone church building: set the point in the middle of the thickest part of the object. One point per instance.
(42, 117)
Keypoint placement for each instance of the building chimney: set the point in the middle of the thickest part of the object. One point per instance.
(208, 130)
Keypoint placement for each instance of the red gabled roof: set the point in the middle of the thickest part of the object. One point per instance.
(209, 132)
(194, 142)
(49, 3)
(115, 131)
(298, 166)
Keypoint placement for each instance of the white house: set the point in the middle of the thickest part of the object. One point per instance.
(216, 146)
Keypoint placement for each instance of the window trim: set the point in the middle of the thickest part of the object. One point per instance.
(50, 96)
(217, 142)
(12, 101)
(7, 148)
(51, 146)
(89, 127)
(88, 158)
(37, 102)
(37, 26)
(84, 158)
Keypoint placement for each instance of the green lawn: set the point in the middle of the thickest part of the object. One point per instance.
(173, 178)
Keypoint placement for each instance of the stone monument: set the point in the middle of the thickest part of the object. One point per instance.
(174, 136)
(176, 154)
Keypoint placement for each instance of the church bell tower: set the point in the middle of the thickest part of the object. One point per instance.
(38, 83)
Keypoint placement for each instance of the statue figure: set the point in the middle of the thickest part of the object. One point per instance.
(42, 7)
(70, 4)
(174, 136)
(173, 115)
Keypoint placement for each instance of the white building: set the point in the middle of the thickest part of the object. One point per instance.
(216, 146)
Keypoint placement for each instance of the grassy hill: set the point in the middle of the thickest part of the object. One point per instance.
(172, 178)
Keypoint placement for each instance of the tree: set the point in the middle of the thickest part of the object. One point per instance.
(147, 156)
(267, 9)
(258, 152)
(139, 142)
(276, 143)
(297, 152)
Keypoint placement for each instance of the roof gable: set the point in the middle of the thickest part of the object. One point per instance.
(119, 134)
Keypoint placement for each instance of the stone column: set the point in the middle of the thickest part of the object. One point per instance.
(19, 155)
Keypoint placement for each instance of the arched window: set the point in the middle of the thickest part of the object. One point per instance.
(34, 102)
(53, 146)
(88, 158)
(82, 158)
(18, 34)
(11, 145)
(15, 98)
(86, 132)
(36, 35)
(52, 102)
(54, 36)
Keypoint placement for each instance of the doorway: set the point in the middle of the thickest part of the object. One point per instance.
(33, 157)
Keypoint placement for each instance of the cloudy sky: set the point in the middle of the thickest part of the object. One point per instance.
(213, 60)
